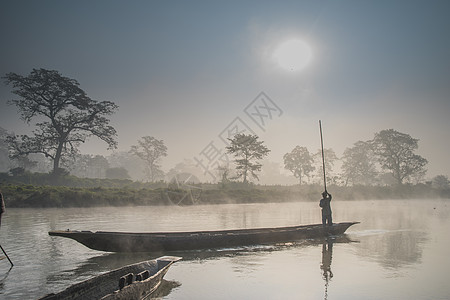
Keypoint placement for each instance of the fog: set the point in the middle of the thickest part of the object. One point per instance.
(187, 73)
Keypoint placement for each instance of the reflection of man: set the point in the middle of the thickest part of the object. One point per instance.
(327, 253)
(326, 209)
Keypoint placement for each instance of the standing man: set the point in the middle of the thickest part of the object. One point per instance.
(326, 209)
(2, 207)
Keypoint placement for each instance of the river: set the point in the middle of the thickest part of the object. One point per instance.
(400, 250)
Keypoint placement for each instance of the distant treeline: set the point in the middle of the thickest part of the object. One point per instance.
(36, 191)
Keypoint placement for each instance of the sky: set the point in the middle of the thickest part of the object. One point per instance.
(191, 72)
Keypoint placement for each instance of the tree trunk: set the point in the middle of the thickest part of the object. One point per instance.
(57, 158)
(246, 168)
(398, 176)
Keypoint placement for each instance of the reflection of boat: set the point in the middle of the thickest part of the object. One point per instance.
(165, 289)
(135, 281)
(176, 241)
(112, 260)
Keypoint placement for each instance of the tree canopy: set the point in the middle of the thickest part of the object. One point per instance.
(117, 173)
(65, 115)
(441, 182)
(248, 151)
(358, 164)
(299, 161)
(395, 153)
(150, 150)
(330, 159)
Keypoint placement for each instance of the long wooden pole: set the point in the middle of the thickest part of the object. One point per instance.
(12, 265)
(323, 157)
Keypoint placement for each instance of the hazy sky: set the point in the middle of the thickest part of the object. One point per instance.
(189, 72)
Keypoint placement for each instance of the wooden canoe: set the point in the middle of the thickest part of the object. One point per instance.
(113, 285)
(179, 241)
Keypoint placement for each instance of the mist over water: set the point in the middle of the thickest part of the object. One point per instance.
(399, 251)
(193, 75)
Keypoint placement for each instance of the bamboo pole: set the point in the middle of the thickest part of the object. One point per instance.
(323, 157)
(12, 265)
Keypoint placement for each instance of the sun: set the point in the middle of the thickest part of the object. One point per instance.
(293, 55)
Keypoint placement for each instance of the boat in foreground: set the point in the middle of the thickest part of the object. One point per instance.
(179, 241)
(135, 281)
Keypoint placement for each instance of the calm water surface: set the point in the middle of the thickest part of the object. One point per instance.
(399, 251)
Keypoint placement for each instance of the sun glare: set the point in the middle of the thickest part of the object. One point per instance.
(293, 55)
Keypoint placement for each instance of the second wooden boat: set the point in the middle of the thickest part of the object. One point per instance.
(136, 281)
(178, 241)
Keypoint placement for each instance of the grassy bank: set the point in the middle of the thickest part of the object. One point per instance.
(25, 195)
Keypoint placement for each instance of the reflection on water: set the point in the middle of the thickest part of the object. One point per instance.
(394, 249)
(3, 279)
(327, 255)
(402, 240)
(164, 289)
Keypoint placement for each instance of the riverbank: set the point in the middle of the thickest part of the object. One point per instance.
(25, 195)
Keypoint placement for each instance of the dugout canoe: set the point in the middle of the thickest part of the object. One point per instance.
(136, 281)
(179, 241)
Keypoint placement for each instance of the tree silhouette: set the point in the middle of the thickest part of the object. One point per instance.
(358, 164)
(330, 159)
(299, 161)
(65, 115)
(247, 150)
(395, 153)
(150, 150)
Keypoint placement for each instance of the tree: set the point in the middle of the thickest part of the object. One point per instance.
(25, 162)
(17, 171)
(223, 171)
(395, 153)
(5, 162)
(186, 166)
(247, 150)
(40, 163)
(124, 159)
(150, 150)
(358, 164)
(117, 173)
(66, 115)
(89, 166)
(272, 173)
(98, 165)
(299, 161)
(330, 158)
(441, 182)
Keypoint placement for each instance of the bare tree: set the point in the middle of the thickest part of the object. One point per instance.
(223, 171)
